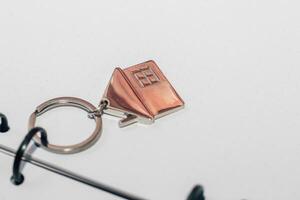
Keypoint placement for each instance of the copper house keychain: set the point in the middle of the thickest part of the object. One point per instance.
(140, 93)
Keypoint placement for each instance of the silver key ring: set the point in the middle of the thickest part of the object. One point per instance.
(73, 102)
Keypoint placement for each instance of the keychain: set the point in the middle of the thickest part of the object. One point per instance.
(140, 93)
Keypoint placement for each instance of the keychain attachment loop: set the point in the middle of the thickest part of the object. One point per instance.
(98, 112)
(73, 102)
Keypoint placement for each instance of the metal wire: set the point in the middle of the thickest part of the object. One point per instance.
(69, 174)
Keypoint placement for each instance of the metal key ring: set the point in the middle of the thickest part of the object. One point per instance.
(73, 102)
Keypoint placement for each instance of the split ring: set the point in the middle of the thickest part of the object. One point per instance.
(62, 102)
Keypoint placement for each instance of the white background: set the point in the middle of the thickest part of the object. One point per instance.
(235, 63)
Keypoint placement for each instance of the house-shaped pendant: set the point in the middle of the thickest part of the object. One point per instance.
(140, 93)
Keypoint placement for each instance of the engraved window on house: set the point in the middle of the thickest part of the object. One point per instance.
(145, 76)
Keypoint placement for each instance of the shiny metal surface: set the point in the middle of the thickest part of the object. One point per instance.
(73, 102)
(140, 93)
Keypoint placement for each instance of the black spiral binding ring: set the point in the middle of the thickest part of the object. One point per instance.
(4, 124)
(17, 177)
(197, 193)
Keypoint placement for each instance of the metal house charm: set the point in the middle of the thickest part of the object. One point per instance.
(140, 93)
